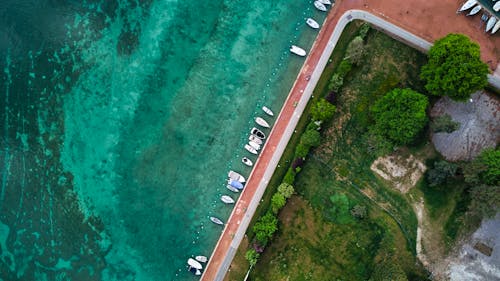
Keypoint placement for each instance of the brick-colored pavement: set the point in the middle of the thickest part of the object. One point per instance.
(429, 20)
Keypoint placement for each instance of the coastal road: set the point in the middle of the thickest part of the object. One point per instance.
(287, 120)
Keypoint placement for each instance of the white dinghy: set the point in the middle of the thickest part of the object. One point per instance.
(235, 176)
(216, 220)
(247, 161)
(320, 6)
(254, 145)
(261, 122)
(268, 111)
(202, 259)
(491, 22)
(475, 10)
(312, 23)
(496, 27)
(251, 149)
(227, 199)
(255, 139)
(298, 51)
(467, 5)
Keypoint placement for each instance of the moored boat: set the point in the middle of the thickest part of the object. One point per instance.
(255, 139)
(496, 27)
(491, 22)
(227, 199)
(467, 5)
(268, 111)
(261, 122)
(312, 23)
(298, 51)
(233, 189)
(235, 184)
(254, 145)
(195, 271)
(235, 176)
(251, 149)
(247, 161)
(258, 133)
(202, 259)
(496, 7)
(320, 6)
(216, 221)
(325, 2)
(194, 263)
(475, 10)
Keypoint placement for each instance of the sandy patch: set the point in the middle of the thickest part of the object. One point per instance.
(402, 172)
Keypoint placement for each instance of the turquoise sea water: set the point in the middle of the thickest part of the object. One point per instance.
(119, 121)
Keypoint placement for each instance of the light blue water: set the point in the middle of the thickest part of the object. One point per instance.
(120, 121)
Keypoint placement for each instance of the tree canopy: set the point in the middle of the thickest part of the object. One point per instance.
(286, 190)
(455, 68)
(322, 110)
(400, 115)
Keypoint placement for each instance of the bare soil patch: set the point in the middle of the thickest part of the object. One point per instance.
(403, 172)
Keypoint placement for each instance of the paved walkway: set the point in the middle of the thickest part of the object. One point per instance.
(284, 127)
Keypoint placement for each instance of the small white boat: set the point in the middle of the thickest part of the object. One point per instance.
(254, 145)
(320, 6)
(216, 221)
(268, 111)
(251, 149)
(255, 139)
(496, 27)
(235, 176)
(247, 161)
(262, 122)
(202, 259)
(258, 133)
(475, 10)
(193, 263)
(233, 189)
(227, 199)
(467, 5)
(491, 22)
(312, 23)
(496, 7)
(325, 2)
(298, 51)
(195, 271)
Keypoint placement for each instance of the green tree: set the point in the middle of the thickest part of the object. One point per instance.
(322, 110)
(344, 67)
(485, 169)
(286, 190)
(252, 256)
(265, 227)
(335, 82)
(356, 50)
(485, 202)
(289, 176)
(310, 138)
(400, 115)
(441, 171)
(277, 202)
(444, 124)
(454, 68)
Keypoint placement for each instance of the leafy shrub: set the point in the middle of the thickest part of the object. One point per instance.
(339, 212)
(252, 256)
(485, 169)
(335, 82)
(344, 67)
(265, 227)
(301, 150)
(310, 138)
(364, 29)
(289, 176)
(322, 110)
(277, 202)
(441, 171)
(444, 124)
(359, 211)
(356, 50)
(286, 190)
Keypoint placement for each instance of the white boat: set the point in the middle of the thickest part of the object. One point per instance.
(255, 139)
(320, 6)
(235, 176)
(247, 161)
(195, 271)
(202, 259)
(216, 221)
(262, 122)
(496, 7)
(268, 111)
(227, 199)
(195, 264)
(258, 133)
(254, 145)
(298, 51)
(325, 2)
(251, 149)
(496, 27)
(467, 5)
(475, 10)
(312, 23)
(233, 189)
(491, 22)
